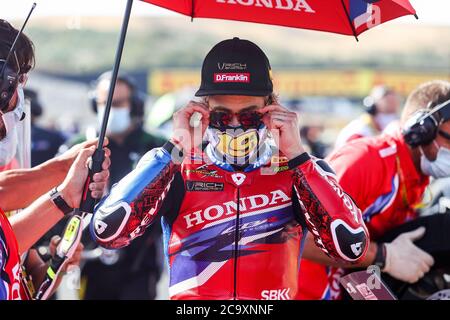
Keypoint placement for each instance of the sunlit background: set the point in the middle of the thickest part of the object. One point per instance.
(76, 40)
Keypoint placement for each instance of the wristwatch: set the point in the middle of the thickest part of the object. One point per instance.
(380, 256)
(58, 200)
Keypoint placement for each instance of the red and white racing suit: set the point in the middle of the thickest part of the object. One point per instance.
(228, 234)
(379, 174)
(363, 126)
(11, 284)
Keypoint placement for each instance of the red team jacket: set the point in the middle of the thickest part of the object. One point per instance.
(11, 285)
(380, 176)
(228, 234)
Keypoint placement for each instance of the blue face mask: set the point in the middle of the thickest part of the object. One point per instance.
(439, 168)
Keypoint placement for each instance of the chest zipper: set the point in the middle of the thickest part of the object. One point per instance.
(236, 244)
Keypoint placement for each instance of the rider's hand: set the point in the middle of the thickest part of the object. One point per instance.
(404, 260)
(185, 136)
(69, 156)
(72, 187)
(74, 261)
(285, 129)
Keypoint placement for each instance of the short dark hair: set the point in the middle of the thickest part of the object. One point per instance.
(426, 96)
(24, 47)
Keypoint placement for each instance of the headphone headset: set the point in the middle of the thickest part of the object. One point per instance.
(377, 93)
(9, 79)
(422, 127)
(137, 101)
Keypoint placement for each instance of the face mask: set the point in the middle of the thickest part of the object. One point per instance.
(119, 119)
(12, 118)
(236, 145)
(8, 145)
(384, 119)
(439, 168)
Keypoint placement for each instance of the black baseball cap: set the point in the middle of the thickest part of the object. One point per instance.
(236, 67)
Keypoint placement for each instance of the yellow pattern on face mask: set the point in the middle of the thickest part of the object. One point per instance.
(239, 146)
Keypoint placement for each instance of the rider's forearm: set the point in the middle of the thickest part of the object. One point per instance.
(33, 222)
(313, 253)
(19, 188)
(330, 214)
(134, 202)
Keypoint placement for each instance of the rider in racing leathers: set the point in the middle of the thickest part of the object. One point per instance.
(235, 212)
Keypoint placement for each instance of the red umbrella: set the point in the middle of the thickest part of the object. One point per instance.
(348, 17)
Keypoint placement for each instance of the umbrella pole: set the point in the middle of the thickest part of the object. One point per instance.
(350, 21)
(87, 202)
(123, 34)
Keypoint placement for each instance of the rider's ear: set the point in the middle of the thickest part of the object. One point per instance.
(205, 100)
(271, 99)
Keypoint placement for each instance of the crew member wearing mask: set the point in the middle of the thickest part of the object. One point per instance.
(128, 141)
(382, 108)
(131, 273)
(234, 212)
(65, 177)
(387, 176)
(45, 143)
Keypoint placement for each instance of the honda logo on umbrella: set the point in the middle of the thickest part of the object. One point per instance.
(294, 5)
(348, 17)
